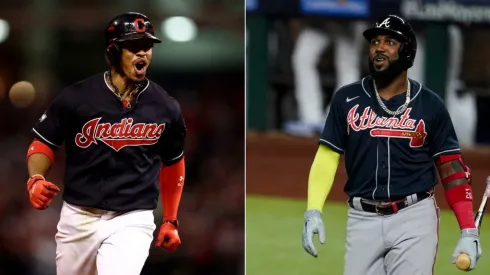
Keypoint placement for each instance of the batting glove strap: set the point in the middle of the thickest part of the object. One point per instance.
(470, 232)
(33, 180)
(174, 222)
(313, 213)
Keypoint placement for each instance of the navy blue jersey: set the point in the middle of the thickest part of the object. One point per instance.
(113, 154)
(388, 156)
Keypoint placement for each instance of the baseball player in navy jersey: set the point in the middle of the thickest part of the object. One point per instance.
(124, 140)
(398, 140)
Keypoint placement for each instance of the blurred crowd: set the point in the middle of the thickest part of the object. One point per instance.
(211, 214)
(318, 55)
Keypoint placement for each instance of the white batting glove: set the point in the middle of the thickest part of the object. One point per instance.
(469, 243)
(313, 225)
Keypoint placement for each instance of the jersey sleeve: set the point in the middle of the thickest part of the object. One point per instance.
(443, 136)
(334, 133)
(173, 140)
(51, 126)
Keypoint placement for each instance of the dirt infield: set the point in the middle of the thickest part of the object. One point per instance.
(278, 165)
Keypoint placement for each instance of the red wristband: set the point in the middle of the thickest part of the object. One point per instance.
(39, 147)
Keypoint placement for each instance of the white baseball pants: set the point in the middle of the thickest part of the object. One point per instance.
(97, 242)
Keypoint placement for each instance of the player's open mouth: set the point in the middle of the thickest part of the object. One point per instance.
(140, 66)
(380, 59)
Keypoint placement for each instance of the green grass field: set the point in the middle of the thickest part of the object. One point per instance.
(273, 240)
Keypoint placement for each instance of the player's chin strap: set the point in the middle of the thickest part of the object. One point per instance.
(466, 174)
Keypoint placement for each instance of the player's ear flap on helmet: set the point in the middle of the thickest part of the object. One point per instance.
(113, 54)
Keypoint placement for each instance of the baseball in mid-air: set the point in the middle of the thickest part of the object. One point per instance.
(22, 94)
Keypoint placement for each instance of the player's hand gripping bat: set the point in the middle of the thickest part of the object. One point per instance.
(463, 261)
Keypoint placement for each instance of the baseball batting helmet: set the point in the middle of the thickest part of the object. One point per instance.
(402, 30)
(124, 27)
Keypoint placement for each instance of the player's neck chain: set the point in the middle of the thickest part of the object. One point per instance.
(400, 109)
(126, 100)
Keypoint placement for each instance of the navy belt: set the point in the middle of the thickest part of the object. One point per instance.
(387, 208)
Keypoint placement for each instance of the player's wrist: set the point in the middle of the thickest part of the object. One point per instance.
(33, 179)
(171, 220)
(464, 215)
(37, 177)
(470, 232)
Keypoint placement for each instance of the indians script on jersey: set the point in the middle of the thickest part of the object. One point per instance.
(380, 126)
(119, 135)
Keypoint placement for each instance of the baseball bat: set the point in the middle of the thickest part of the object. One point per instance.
(463, 261)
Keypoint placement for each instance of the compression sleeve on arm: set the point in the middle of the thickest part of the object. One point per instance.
(321, 178)
(171, 185)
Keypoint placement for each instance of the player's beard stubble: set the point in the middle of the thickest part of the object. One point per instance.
(384, 77)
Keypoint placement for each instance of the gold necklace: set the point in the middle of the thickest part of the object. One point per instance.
(126, 102)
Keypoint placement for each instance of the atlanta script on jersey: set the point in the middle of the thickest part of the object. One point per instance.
(388, 156)
(113, 154)
(381, 126)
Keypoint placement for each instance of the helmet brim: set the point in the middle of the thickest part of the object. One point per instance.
(372, 32)
(138, 36)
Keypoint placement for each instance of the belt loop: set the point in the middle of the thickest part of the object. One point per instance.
(356, 202)
(415, 198)
(410, 200)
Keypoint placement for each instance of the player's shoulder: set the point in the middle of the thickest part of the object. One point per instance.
(83, 87)
(163, 97)
(89, 81)
(425, 94)
(354, 87)
(70, 94)
(352, 91)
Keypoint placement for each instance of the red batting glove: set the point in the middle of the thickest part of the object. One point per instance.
(41, 192)
(168, 237)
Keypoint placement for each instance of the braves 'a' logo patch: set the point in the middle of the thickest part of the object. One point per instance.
(385, 23)
(119, 135)
(380, 126)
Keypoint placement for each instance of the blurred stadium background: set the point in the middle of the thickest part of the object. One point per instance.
(299, 52)
(48, 44)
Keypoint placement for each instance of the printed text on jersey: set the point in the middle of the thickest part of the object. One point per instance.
(380, 126)
(119, 135)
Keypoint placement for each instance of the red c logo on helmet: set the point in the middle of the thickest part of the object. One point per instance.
(139, 25)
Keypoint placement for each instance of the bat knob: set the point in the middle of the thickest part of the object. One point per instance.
(463, 262)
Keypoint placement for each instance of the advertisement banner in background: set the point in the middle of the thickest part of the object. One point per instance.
(343, 8)
(455, 11)
(252, 5)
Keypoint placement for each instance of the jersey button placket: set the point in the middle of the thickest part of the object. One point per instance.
(382, 168)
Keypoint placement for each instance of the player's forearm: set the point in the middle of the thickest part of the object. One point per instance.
(39, 158)
(38, 164)
(171, 186)
(458, 192)
(321, 177)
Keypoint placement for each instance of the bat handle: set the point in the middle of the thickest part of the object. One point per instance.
(463, 261)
